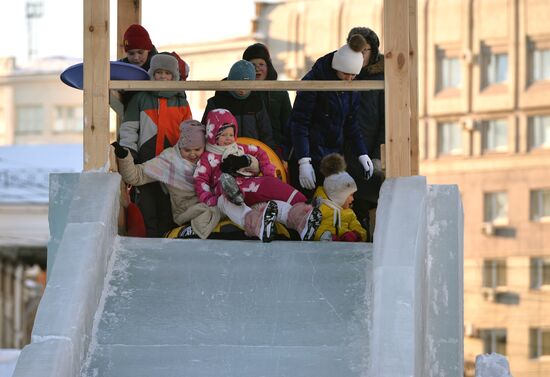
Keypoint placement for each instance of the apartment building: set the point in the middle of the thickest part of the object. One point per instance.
(484, 124)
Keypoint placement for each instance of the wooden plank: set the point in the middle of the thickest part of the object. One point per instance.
(251, 85)
(397, 88)
(96, 81)
(128, 13)
(413, 72)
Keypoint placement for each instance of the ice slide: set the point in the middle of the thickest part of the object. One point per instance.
(117, 306)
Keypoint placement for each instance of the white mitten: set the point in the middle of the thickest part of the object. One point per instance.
(307, 174)
(367, 165)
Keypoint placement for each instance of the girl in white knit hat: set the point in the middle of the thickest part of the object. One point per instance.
(335, 198)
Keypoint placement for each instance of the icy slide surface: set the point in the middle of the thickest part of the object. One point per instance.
(233, 308)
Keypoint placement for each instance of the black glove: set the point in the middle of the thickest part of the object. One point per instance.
(120, 151)
(232, 163)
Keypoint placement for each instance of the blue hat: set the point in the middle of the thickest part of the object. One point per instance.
(242, 70)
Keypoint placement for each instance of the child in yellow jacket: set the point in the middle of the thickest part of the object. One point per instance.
(335, 198)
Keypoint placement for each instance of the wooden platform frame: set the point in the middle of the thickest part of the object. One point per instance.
(401, 82)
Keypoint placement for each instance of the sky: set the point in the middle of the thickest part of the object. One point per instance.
(59, 31)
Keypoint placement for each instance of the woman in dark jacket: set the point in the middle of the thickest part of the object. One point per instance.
(321, 122)
(277, 102)
(371, 119)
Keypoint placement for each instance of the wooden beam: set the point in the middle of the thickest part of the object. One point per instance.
(397, 88)
(128, 13)
(251, 85)
(413, 74)
(96, 83)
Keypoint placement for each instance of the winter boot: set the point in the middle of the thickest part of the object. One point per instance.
(260, 222)
(231, 189)
(305, 219)
(187, 232)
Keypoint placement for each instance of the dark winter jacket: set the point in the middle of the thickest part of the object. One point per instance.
(320, 122)
(279, 107)
(251, 114)
(372, 124)
(371, 109)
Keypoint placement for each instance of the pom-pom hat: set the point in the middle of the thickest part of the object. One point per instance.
(338, 184)
(349, 57)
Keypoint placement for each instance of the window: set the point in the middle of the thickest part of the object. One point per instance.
(494, 273)
(495, 135)
(30, 119)
(539, 342)
(539, 58)
(449, 73)
(539, 132)
(449, 135)
(495, 207)
(494, 65)
(540, 204)
(494, 340)
(68, 119)
(540, 272)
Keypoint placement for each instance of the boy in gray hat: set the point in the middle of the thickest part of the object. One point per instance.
(150, 125)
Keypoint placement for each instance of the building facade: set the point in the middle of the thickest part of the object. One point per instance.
(484, 124)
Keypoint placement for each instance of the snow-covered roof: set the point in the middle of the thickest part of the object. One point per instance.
(25, 170)
(53, 64)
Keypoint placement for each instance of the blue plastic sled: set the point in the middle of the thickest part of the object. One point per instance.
(74, 75)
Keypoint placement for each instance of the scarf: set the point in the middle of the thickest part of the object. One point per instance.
(170, 168)
(225, 150)
(336, 218)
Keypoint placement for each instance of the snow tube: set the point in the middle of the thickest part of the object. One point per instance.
(280, 170)
(74, 75)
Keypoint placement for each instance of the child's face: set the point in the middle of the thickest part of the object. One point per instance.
(242, 93)
(163, 75)
(191, 154)
(137, 56)
(227, 137)
(348, 202)
(261, 68)
(345, 76)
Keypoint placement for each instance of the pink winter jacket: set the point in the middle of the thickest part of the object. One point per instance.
(208, 172)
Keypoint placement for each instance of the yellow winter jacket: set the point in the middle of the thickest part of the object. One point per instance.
(336, 220)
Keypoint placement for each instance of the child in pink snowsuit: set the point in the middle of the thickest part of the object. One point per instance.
(231, 170)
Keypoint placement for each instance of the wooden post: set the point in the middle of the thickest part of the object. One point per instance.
(96, 83)
(413, 73)
(128, 13)
(397, 88)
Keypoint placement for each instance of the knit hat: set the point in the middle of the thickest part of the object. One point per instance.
(217, 121)
(183, 66)
(165, 61)
(136, 37)
(338, 184)
(260, 51)
(192, 134)
(348, 58)
(242, 70)
(371, 38)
